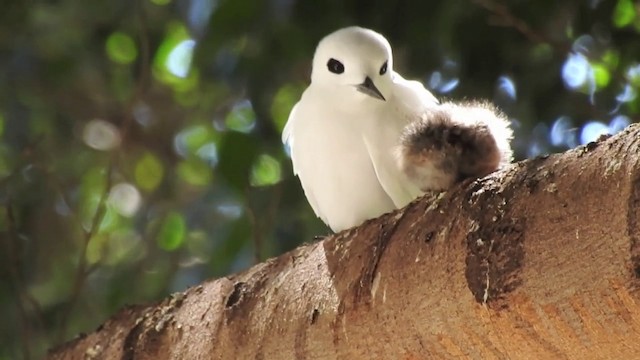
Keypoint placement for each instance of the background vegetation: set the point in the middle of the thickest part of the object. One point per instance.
(140, 144)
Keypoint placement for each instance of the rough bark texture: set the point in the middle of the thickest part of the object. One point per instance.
(539, 261)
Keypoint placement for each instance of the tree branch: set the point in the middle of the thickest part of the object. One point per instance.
(538, 261)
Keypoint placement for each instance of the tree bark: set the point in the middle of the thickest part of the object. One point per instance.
(538, 261)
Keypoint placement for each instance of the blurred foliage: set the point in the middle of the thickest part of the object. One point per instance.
(141, 152)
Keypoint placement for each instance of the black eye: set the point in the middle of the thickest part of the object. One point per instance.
(335, 66)
(383, 69)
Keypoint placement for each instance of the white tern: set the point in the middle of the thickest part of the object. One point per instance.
(364, 141)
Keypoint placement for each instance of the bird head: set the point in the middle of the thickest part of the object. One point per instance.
(354, 64)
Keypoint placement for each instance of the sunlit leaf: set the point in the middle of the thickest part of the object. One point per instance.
(110, 220)
(633, 75)
(191, 139)
(624, 13)
(265, 171)
(241, 118)
(178, 60)
(195, 172)
(172, 62)
(97, 248)
(149, 172)
(208, 153)
(172, 232)
(601, 75)
(160, 2)
(611, 58)
(121, 48)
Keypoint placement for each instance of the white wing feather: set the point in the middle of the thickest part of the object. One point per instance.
(412, 99)
(333, 163)
(289, 140)
(412, 93)
(393, 181)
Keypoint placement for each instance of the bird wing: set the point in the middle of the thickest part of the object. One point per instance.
(287, 137)
(298, 165)
(412, 100)
(393, 181)
(412, 93)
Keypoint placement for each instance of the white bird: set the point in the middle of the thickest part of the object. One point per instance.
(348, 136)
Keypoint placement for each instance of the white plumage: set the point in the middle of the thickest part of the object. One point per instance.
(343, 141)
(365, 141)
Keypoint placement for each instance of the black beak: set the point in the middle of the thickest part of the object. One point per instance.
(369, 88)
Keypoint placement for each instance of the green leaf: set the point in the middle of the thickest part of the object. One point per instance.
(110, 220)
(242, 118)
(633, 75)
(121, 48)
(97, 248)
(266, 171)
(172, 232)
(191, 139)
(624, 13)
(149, 172)
(611, 58)
(172, 62)
(195, 172)
(601, 75)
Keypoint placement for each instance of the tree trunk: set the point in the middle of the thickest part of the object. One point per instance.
(538, 261)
